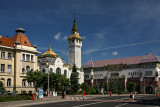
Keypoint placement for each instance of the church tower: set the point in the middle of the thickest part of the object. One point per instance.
(74, 45)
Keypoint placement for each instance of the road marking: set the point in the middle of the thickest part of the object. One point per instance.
(121, 105)
(88, 104)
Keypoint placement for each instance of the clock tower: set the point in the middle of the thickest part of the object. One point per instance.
(74, 45)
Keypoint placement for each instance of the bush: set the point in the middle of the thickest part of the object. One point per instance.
(92, 90)
(14, 98)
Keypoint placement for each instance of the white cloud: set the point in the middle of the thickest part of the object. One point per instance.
(83, 37)
(114, 53)
(89, 51)
(104, 53)
(42, 48)
(57, 36)
(65, 38)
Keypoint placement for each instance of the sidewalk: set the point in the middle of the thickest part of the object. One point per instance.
(45, 100)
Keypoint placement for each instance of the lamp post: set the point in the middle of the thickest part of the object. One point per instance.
(47, 66)
(144, 87)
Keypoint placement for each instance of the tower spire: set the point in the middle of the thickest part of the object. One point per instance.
(74, 28)
(49, 46)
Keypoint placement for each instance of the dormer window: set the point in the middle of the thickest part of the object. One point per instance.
(25, 42)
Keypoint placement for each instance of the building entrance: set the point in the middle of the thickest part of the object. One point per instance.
(149, 90)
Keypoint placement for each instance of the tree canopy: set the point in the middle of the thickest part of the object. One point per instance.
(56, 81)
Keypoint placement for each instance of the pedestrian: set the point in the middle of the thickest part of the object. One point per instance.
(83, 95)
(133, 96)
(110, 93)
(36, 96)
(130, 97)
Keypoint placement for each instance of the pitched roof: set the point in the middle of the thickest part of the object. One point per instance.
(19, 37)
(6, 41)
(22, 39)
(127, 60)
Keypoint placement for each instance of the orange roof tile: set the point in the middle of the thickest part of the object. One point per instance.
(6, 41)
(22, 38)
(74, 36)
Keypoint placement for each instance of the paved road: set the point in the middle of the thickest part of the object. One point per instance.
(103, 101)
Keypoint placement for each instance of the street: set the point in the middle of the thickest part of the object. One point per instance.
(103, 101)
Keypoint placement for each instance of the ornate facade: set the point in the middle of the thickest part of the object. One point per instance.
(17, 57)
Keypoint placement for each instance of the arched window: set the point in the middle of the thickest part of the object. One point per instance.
(23, 70)
(29, 84)
(23, 82)
(65, 73)
(58, 71)
(51, 70)
(43, 71)
(8, 82)
(27, 69)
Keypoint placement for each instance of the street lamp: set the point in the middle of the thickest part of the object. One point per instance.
(144, 86)
(47, 66)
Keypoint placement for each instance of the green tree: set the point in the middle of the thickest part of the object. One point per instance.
(84, 86)
(131, 86)
(105, 86)
(92, 90)
(35, 77)
(113, 87)
(96, 87)
(74, 80)
(2, 89)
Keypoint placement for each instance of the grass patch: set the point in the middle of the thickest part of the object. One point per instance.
(14, 98)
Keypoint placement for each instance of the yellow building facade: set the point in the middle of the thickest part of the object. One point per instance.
(17, 57)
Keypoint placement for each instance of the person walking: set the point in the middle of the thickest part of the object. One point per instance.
(83, 95)
(110, 93)
(130, 97)
(133, 96)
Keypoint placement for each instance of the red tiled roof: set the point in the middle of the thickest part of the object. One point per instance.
(127, 60)
(22, 39)
(6, 41)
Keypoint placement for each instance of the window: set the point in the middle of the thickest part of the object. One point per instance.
(23, 70)
(2, 67)
(148, 73)
(58, 71)
(9, 68)
(27, 69)
(8, 82)
(23, 82)
(29, 84)
(149, 66)
(51, 70)
(32, 58)
(65, 73)
(27, 57)
(3, 55)
(9, 56)
(23, 57)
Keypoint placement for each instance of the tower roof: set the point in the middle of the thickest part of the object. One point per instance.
(74, 28)
(74, 32)
(49, 53)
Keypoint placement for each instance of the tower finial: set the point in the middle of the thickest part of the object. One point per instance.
(74, 14)
(49, 46)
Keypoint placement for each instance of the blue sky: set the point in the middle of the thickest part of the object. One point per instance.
(109, 28)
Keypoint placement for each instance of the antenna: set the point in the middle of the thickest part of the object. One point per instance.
(74, 14)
